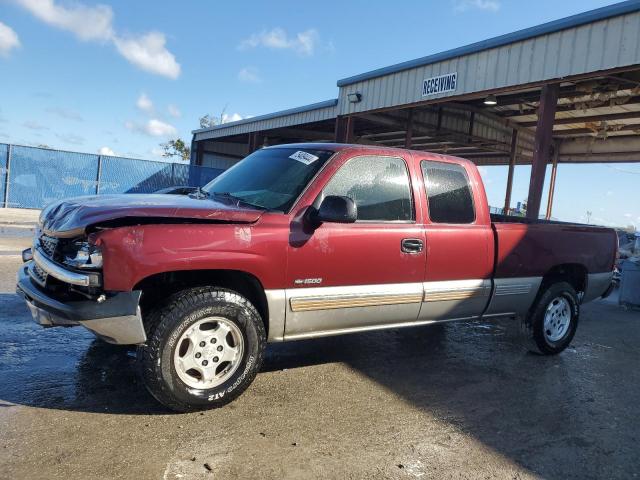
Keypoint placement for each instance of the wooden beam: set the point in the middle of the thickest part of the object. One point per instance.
(396, 133)
(589, 119)
(632, 127)
(567, 91)
(302, 134)
(512, 165)
(542, 147)
(570, 107)
(472, 155)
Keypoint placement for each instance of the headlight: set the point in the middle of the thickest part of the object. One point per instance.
(84, 256)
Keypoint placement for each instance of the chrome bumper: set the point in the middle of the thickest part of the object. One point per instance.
(116, 320)
(89, 279)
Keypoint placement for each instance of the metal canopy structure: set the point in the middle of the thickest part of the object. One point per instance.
(564, 92)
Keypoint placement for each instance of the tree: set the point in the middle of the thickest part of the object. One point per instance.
(176, 148)
(208, 121)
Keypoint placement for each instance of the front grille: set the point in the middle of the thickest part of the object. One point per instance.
(38, 275)
(48, 245)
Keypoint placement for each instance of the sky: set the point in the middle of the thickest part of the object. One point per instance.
(121, 77)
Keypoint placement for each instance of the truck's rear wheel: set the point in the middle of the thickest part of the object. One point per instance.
(204, 349)
(552, 322)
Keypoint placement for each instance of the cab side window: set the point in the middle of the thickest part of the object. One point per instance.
(448, 192)
(378, 185)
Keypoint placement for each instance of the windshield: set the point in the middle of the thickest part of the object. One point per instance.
(271, 178)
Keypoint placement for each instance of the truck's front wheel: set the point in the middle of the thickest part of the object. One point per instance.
(552, 322)
(204, 349)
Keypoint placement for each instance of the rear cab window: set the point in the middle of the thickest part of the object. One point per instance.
(378, 185)
(449, 194)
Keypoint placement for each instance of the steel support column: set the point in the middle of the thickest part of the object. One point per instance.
(256, 141)
(408, 137)
(512, 165)
(192, 154)
(253, 142)
(344, 129)
(542, 147)
(7, 183)
(552, 183)
(98, 174)
(199, 153)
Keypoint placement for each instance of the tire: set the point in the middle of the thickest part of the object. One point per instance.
(176, 332)
(550, 339)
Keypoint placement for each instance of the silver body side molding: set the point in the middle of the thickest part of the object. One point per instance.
(325, 309)
(513, 296)
(277, 304)
(299, 313)
(342, 331)
(597, 284)
(125, 330)
(448, 299)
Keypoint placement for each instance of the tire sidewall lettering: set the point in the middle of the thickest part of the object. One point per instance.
(227, 306)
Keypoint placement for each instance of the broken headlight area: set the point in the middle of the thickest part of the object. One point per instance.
(82, 255)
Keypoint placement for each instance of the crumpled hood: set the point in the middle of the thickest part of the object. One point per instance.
(72, 216)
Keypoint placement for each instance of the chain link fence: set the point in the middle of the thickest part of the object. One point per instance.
(33, 177)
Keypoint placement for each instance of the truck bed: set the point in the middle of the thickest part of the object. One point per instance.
(530, 247)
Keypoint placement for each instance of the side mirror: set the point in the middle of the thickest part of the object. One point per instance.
(337, 209)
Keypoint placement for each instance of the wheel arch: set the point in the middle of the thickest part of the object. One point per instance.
(575, 274)
(159, 286)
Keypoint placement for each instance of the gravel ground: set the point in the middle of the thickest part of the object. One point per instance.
(459, 401)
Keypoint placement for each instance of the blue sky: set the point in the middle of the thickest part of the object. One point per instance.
(123, 76)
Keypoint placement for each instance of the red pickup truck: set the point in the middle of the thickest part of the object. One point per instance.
(302, 241)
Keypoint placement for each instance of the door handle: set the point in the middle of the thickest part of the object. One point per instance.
(411, 245)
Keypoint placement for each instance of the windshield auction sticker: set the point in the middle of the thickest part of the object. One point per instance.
(304, 157)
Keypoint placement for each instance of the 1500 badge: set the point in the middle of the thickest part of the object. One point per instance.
(307, 281)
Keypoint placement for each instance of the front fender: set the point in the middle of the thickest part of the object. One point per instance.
(131, 254)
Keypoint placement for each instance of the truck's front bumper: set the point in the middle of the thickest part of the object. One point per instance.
(116, 320)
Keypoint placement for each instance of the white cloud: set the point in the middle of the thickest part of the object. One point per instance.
(487, 5)
(249, 75)
(174, 111)
(34, 125)
(65, 113)
(85, 22)
(627, 215)
(148, 52)
(303, 43)
(106, 151)
(153, 128)
(8, 39)
(70, 138)
(144, 103)
(95, 23)
(231, 118)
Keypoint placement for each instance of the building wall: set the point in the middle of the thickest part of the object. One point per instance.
(324, 111)
(601, 45)
(215, 160)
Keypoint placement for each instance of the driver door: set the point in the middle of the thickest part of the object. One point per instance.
(362, 275)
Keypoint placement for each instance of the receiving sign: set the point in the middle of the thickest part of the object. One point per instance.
(440, 84)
